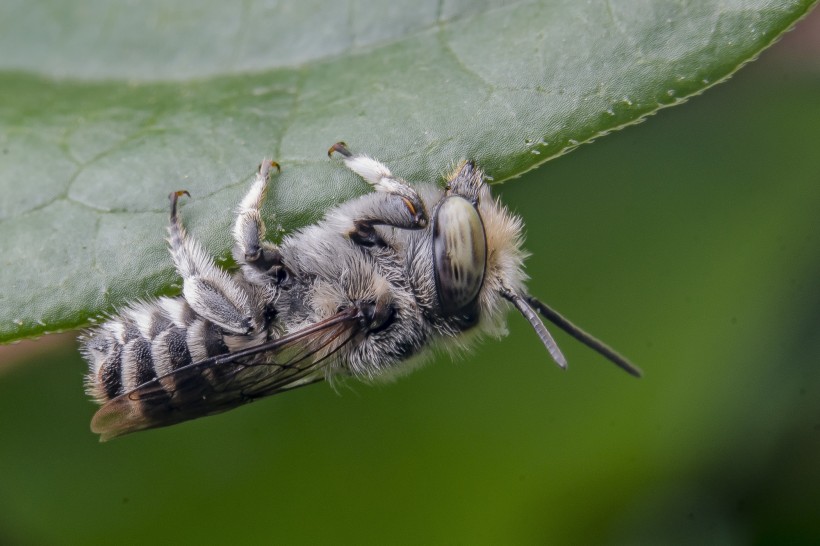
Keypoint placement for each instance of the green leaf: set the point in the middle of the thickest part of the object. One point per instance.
(105, 109)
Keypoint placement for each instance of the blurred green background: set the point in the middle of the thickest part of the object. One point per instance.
(691, 243)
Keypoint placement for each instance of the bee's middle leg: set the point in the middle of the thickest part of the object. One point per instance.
(261, 260)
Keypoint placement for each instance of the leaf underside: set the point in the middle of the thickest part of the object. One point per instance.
(105, 109)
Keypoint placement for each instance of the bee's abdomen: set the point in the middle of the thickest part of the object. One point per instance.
(147, 341)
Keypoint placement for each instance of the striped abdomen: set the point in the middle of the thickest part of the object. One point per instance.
(147, 341)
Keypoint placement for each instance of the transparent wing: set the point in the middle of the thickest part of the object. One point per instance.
(226, 381)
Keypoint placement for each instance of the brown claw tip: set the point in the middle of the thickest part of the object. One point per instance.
(173, 197)
(177, 194)
(340, 147)
(266, 165)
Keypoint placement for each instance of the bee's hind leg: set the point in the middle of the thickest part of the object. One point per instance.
(399, 207)
(260, 260)
(209, 290)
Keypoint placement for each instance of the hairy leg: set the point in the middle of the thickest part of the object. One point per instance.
(261, 261)
(209, 290)
(402, 207)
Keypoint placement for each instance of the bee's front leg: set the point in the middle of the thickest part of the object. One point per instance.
(399, 207)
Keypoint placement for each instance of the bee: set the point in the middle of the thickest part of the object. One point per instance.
(363, 293)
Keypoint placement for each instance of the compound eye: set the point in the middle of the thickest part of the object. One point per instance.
(459, 254)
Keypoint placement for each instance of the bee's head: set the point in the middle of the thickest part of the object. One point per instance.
(477, 258)
(477, 251)
(478, 263)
